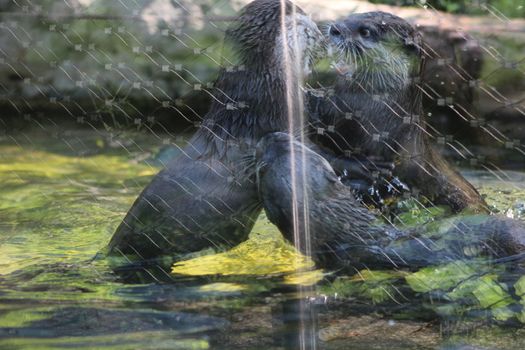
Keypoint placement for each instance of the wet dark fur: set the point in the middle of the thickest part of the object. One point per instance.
(203, 198)
(336, 231)
(453, 61)
(389, 122)
(334, 218)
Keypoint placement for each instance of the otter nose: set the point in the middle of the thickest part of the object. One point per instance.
(335, 31)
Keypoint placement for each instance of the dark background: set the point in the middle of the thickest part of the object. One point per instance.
(150, 65)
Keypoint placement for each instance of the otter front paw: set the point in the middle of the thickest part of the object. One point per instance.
(369, 171)
(374, 185)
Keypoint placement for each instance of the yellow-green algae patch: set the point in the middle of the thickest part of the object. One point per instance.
(476, 283)
(222, 287)
(441, 277)
(58, 208)
(124, 341)
(22, 317)
(519, 287)
(265, 253)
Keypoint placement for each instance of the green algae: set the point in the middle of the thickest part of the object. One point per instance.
(441, 277)
(376, 286)
(125, 341)
(412, 213)
(70, 206)
(265, 253)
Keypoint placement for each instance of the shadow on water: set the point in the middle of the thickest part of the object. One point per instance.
(60, 210)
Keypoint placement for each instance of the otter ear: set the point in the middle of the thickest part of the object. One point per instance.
(414, 42)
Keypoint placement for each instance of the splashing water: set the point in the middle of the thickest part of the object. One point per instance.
(292, 66)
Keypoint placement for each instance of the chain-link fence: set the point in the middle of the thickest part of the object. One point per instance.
(104, 101)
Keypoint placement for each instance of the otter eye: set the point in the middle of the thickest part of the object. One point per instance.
(364, 32)
(334, 31)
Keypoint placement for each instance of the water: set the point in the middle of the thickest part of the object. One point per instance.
(293, 68)
(63, 195)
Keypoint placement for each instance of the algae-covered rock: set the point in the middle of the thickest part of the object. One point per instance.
(441, 277)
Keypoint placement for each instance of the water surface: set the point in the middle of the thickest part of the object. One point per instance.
(64, 193)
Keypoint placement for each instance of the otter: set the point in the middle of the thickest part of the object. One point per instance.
(453, 63)
(300, 192)
(204, 199)
(376, 107)
(313, 209)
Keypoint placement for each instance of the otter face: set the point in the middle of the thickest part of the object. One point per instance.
(270, 147)
(376, 49)
(303, 42)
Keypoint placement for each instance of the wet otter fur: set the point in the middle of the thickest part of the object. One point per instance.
(376, 107)
(203, 198)
(301, 192)
(324, 220)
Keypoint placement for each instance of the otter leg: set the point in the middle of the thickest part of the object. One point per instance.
(188, 207)
(437, 180)
(496, 238)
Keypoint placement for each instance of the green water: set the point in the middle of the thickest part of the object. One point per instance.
(62, 195)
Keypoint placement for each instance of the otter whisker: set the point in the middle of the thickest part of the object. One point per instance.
(247, 160)
(258, 167)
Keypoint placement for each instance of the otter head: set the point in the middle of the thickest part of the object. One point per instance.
(274, 34)
(271, 147)
(275, 145)
(377, 50)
